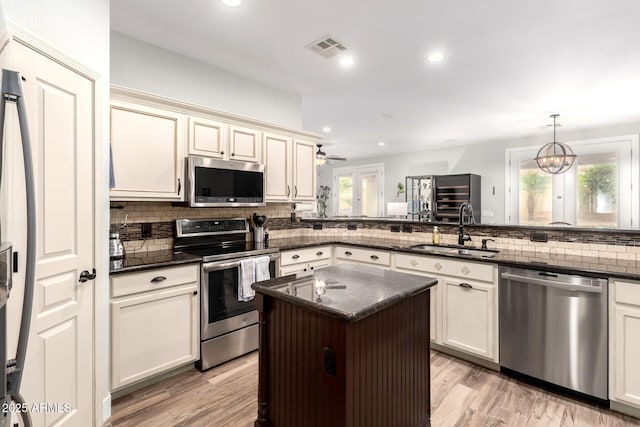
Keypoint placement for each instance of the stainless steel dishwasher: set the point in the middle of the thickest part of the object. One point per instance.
(553, 327)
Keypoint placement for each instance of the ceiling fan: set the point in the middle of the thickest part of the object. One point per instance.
(321, 157)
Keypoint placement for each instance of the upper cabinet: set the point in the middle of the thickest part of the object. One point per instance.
(208, 137)
(290, 169)
(147, 152)
(245, 144)
(277, 161)
(304, 170)
(151, 135)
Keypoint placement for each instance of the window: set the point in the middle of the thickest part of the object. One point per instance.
(595, 192)
(359, 191)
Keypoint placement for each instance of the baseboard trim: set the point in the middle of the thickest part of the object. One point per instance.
(625, 409)
(106, 408)
(115, 394)
(464, 356)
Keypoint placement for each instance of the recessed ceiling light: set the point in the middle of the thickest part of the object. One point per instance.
(435, 57)
(232, 3)
(347, 61)
(381, 144)
(326, 129)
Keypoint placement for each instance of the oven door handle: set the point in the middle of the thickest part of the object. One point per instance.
(222, 265)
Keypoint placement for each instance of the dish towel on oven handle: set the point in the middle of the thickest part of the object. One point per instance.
(246, 277)
(250, 271)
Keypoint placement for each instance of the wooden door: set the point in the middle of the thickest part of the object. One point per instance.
(208, 137)
(304, 171)
(245, 144)
(147, 145)
(277, 163)
(59, 367)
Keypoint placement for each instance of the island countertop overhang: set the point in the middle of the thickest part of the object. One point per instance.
(345, 291)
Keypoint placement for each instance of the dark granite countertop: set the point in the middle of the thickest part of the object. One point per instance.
(570, 264)
(345, 291)
(146, 260)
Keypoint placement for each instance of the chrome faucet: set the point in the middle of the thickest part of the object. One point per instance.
(465, 207)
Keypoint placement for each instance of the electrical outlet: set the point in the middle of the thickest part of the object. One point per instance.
(146, 229)
(352, 227)
(317, 226)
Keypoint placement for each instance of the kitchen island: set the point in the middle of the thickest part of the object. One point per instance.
(346, 346)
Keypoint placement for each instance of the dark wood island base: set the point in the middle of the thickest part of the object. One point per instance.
(319, 366)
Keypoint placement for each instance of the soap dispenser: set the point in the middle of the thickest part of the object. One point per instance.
(436, 235)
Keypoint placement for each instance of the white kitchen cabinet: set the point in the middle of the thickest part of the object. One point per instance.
(464, 309)
(305, 259)
(154, 322)
(290, 169)
(304, 171)
(245, 144)
(278, 168)
(363, 256)
(414, 264)
(468, 316)
(208, 137)
(624, 345)
(147, 145)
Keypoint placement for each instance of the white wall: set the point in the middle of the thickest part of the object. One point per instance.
(145, 67)
(486, 159)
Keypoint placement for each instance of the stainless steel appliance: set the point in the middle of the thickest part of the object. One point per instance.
(228, 327)
(116, 249)
(219, 183)
(553, 327)
(12, 370)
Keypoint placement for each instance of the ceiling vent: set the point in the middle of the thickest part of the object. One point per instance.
(327, 47)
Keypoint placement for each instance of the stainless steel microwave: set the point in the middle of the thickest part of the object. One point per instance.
(224, 183)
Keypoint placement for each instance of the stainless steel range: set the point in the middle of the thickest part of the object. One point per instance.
(228, 325)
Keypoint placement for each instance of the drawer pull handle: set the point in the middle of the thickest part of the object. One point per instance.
(158, 279)
(295, 257)
(348, 253)
(465, 285)
(374, 257)
(319, 253)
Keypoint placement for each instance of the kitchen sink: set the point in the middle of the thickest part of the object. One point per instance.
(456, 250)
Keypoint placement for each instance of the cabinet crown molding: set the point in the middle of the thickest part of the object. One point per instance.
(184, 107)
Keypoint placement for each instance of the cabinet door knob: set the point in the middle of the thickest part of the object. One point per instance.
(158, 279)
(465, 285)
(195, 292)
(233, 154)
(295, 257)
(374, 257)
(348, 253)
(222, 153)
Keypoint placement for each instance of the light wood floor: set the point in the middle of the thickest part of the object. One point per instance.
(463, 394)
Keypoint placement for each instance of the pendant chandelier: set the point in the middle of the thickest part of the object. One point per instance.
(555, 157)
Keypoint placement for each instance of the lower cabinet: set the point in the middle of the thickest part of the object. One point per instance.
(468, 322)
(363, 256)
(624, 345)
(305, 259)
(464, 309)
(155, 327)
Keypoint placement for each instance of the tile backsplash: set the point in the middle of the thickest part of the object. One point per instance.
(128, 217)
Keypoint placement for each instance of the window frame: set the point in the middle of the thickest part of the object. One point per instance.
(564, 203)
